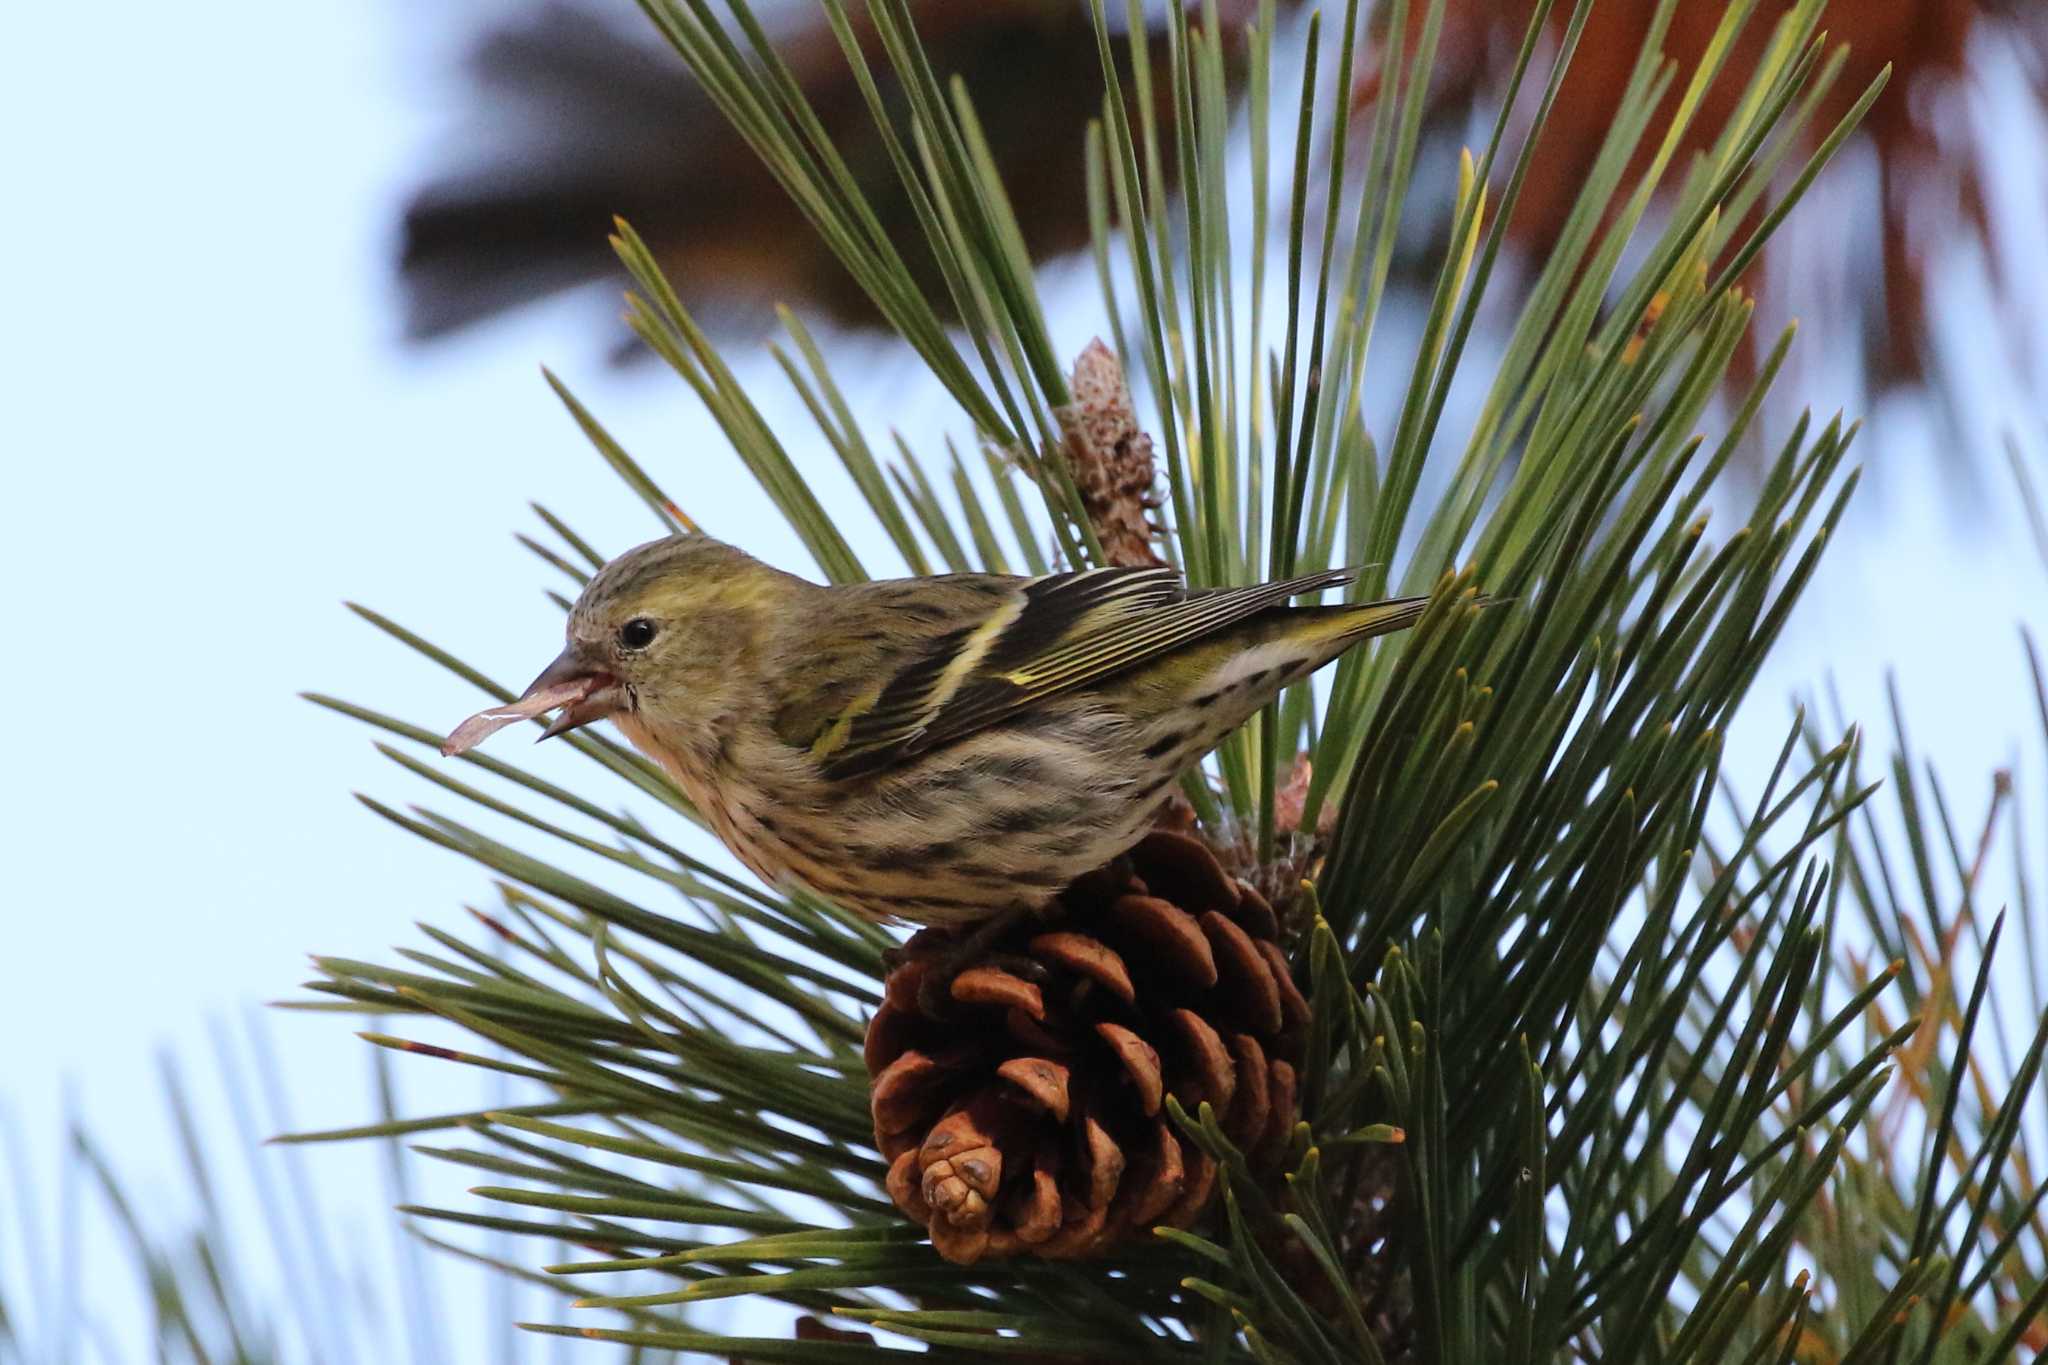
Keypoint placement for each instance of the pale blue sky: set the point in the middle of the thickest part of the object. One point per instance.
(211, 439)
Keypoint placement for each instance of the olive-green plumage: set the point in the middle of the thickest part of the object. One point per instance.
(936, 749)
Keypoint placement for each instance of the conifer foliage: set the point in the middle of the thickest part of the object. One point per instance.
(1593, 1060)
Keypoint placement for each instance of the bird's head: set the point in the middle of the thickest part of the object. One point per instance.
(670, 631)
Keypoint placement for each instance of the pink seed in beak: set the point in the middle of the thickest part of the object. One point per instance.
(538, 702)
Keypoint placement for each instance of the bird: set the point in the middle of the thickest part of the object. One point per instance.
(948, 750)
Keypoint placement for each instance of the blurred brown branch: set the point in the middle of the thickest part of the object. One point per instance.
(609, 125)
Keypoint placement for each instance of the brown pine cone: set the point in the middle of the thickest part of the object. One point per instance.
(1033, 1119)
(1110, 458)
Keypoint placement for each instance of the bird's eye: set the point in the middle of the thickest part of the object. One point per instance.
(637, 633)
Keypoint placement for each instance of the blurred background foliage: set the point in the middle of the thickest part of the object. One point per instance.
(577, 116)
(562, 99)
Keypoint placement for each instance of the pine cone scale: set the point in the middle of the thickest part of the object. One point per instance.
(1141, 1064)
(1042, 1080)
(994, 986)
(1244, 974)
(1170, 932)
(1245, 1121)
(1209, 1062)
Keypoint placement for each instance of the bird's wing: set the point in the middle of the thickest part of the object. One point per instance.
(1052, 635)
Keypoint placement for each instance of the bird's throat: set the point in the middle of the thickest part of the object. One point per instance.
(678, 757)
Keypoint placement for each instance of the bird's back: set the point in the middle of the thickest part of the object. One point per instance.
(946, 748)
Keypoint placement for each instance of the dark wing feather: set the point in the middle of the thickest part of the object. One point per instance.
(1060, 633)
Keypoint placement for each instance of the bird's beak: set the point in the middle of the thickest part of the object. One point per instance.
(577, 684)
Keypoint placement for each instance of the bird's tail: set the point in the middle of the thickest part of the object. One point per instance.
(1341, 627)
(1364, 620)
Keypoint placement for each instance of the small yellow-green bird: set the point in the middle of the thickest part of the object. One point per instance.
(946, 749)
